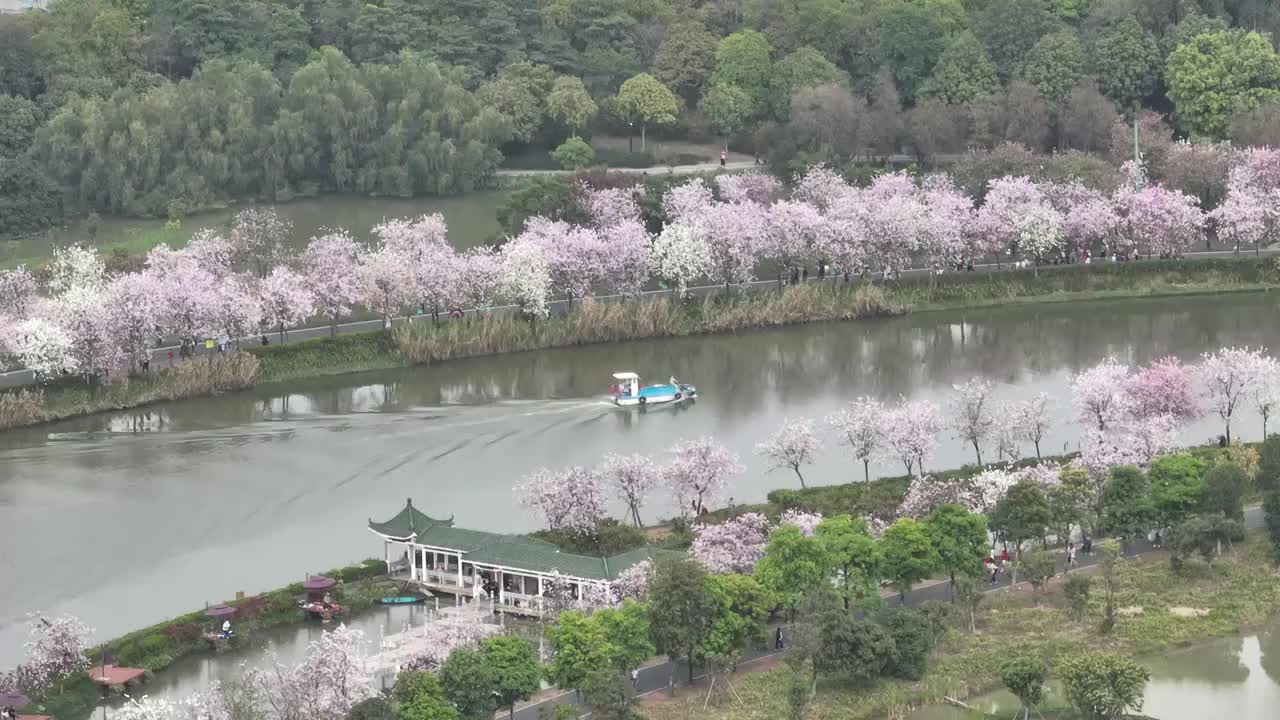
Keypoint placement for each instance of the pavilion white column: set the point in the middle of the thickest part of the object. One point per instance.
(502, 588)
(386, 554)
(460, 569)
(413, 566)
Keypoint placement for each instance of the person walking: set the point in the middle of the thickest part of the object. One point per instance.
(777, 640)
(723, 158)
(1071, 555)
(635, 678)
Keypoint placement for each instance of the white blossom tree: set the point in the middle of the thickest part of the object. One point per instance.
(792, 446)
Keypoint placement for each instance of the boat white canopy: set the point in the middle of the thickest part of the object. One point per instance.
(625, 376)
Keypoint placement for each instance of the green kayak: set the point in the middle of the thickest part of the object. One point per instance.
(401, 600)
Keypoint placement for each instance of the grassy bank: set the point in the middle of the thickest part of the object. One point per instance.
(1239, 591)
(591, 322)
(159, 646)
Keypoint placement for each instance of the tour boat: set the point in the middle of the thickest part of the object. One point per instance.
(628, 391)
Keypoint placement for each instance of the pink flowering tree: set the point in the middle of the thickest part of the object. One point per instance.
(481, 274)
(988, 488)
(699, 473)
(329, 266)
(806, 521)
(684, 203)
(285, 300)
(1242, 218)
(911, 431)
(570, 500)
(1019, 217)
(1008, 432)
(753, 187)
(633, 583)
(330, 680)
(1165, 387)
(444, 635)
(41, 345)
(1225, 377)
(1152, 436)
(624, 257)
(633, 477)
(260, 239)
(17, 292)
(733, 546)
(1031, 419)
(792, 446)
(1098, 394)
(55, 649)
(1089, 218)
(924, 494)
(382, 284)
(431, 265)
(821, 186)
(574, 254)
(210, 252)
(861, 427)
(610, 206)
(736, 235)
(947, 213)
(847, 243)
(525, 279)
(133, 315)
(236, 311)
(794, 231)
(681, 255)
(1265, 390)
(81, 313)
(1162, 222)
(894, 224)
(184, 293)
(972, 413)
(75, 266)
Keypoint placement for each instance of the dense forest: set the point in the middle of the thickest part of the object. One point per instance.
(161, 108)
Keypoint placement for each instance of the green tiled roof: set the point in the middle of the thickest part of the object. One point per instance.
(512, 551)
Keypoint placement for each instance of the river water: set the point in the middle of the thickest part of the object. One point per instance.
(472, 221)
(1236, 678)
(127, 518)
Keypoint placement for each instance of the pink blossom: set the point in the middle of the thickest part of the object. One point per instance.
(736, 235)
(260, 239)
(525, 278)
(1165, 387)
(1019, 218)
(481, 272)
(795, 229)
(210, 252)
(184, 294)
(236, 311)
(329, 266)
(733, 546)
(947, 213)
(1030, 419)
(806, 521)
(633, 583)
(55, 649)
(861, 426)
(285, 299)
(753, 187)
(1151, 436)
(699, 473)
(574, 254)
(73, 266)
(383, 285)
(1158, 221)
(793, 445)
(972, 413)
(1265, 391)
(443, 636)
(894, 227)
(624, 256)
(1089, 218)
(1225, 376)
(81, 313)
(924, 494)
(821, 186)
(682, 255)
(17, 291)
(1008, 431)
(132, 313)
(986, 489)
(1046, 475)
(326, 684)
(633, 477)
(41, 345)
(685, 202)
(1098, 394)
(571, 499)
(911, 431)
(610, 206)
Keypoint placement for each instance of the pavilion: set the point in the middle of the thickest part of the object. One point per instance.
(442, 557)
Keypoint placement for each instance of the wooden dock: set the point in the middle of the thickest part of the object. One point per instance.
(465, 595)
(116, 679)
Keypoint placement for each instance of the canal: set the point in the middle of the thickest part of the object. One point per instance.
(124, 519)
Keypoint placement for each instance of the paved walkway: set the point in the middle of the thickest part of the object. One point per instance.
(655, 170)
(655, 677)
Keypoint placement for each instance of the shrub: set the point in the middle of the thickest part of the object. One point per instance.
(1269, 464)
(1225, 486)
(1024, 675)
(375, 708)
(1076, 588)
(611, 538)
(1040, 566)
(1271, 515)
(912, 637)
(574, 154)
(1103, 687)
(22, 407)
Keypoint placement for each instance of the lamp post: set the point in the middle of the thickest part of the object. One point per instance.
(631, 136)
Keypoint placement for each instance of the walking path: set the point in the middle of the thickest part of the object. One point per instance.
(654, 678)
(160, 355)
(655, 170)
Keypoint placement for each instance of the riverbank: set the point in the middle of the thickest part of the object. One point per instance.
(159, 646)
(661, 316)
(1160, 610)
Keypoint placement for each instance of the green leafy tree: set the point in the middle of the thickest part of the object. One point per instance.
(1225, 486)
(19, 119)
(745, 607)
(854, 555)
(1215, 74)
(960, 538)
(574, 154)
(963, 72)
(378, 708)
(969, 597)
(804, 68)
(570, 103)
(1103, 687)
(1130, 511)
(1076, 588)
(912, 641)
(1269, 463)
(728, 108)
(1109, 557)
(627, 630)
(792, 564)
(469, 682)
(1125, 60)
(1069, 501)
(1054, 65)
(516, 669)
(1271, 518)
(1040, 567)
(419, 697)
(828, 641)
(909, 555)
(912, 38)
(685, 59)
(518, 91)
(1022, 514)
(686, 608)
(579, 647)
(742, 60)
(1024, 674)
(648, 101)
(1009, 29)
(1176, 487)
(609, 694)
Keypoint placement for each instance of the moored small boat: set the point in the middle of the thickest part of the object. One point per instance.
(401, 600)
(629, 391)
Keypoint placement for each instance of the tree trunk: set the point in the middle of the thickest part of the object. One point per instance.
(797, 469)
(1037, 444)
(866, 471)
(642, 138)
(977, 451)
(690, 658)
